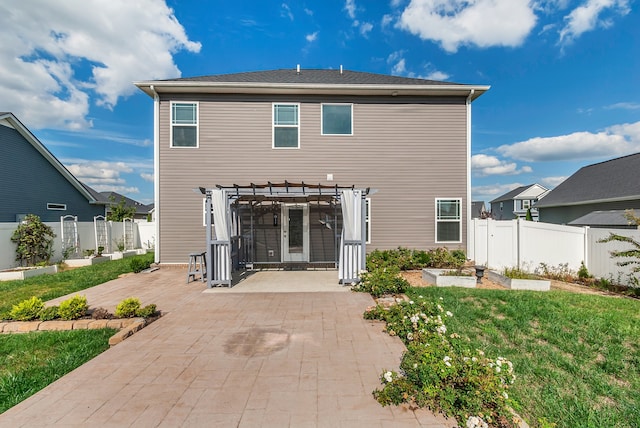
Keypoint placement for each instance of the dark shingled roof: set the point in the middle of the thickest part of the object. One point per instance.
(511, 194)
(615, 179)
(311, 76)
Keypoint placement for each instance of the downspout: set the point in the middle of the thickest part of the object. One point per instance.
(468, 216)
(156, 168)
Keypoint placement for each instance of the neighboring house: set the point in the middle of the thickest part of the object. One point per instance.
(613, 219)
(142, 210)
(287, 145)
(514, 204)
(605, 186)
(478, 210)
(35, 182)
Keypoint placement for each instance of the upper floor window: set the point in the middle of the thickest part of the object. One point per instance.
(448, 220)
(57, 207)
(337, 119)
(184, 124)
(286, 126)
(526, 204)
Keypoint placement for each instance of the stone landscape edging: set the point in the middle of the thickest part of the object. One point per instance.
(125, 326)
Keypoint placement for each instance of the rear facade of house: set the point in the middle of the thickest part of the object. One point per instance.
(404, 142)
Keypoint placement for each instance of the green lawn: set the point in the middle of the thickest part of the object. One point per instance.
(577, 356)
(51, 286)
(31, 361)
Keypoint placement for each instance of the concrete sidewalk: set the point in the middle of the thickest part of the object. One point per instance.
(258, 359)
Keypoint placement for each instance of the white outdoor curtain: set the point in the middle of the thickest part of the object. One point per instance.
(220, 217)
(351, 242)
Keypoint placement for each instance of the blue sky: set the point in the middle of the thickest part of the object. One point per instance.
(564, 75)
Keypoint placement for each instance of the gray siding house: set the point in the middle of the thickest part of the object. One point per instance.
(35, 182)
(600, 189)
(515, 203)
(285, 144)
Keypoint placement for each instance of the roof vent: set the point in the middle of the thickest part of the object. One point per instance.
(298, 69)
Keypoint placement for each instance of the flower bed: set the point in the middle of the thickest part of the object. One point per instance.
(520, 284)
(442, 278)
(22, 273)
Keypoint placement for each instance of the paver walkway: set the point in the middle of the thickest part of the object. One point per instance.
(229, 359)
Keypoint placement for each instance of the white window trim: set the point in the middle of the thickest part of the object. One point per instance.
(368, 220)
(56, 207)
(322, 119)
(528, 204)
(459, 221)
(273, 126)
(197, 124)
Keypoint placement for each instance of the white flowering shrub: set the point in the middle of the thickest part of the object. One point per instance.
(440, 371)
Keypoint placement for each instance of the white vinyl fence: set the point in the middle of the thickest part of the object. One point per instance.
(525, 244)
(144, 238)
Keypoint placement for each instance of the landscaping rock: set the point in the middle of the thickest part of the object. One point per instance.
(55, 325)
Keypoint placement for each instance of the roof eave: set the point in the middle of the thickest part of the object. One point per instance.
(15, 122)
(593, 201)
(175, 87)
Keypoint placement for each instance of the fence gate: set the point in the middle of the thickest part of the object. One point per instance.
(127, 227)
(100, 226)
(69, 236)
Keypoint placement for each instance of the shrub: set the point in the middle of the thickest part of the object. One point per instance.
(139, 264)
(27, 310)
(49, 313)
(34, 241)
(73, 308)
(147, 311)
(128, 308)
(583, 272)
(405, 259)
(379, 282)
(439, 370)
(517, 273)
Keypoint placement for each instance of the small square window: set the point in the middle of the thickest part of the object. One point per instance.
(337, 119)
(56, 207)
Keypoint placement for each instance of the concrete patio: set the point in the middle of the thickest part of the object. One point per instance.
(271, 356)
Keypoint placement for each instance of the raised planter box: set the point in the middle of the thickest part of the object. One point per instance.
(436, 277)
(520, 284)
(86, 262)
(123, 254)
(23, 273)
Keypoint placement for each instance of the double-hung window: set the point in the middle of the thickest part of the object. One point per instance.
(184, 124)
(448, 220)
(286, 126)
(337, 119)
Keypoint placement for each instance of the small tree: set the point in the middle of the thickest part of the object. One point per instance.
(120, 211)
(529, 217)
(34, 241)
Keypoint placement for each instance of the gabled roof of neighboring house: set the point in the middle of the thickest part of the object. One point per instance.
(311, 81)
(602, 218)
(11, 120)
(513, 194)
(608, 181)
(477, 207)
(128, 202)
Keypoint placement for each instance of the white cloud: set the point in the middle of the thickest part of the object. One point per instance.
(399, 68)
(551, 182)
(147, 177)
(624, 106)
(55, 56)
(482, 23)
(286, 11)
(365, 28)
(99, 171)
(491, 191)
(396, 3)
(308, 11)
(617, 140)
(484, 165)
(350, 7)
(386, 20)
(437, 75)
(588, 16)
(312, 37)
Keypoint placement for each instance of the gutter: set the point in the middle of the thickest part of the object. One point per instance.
(156, 169)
